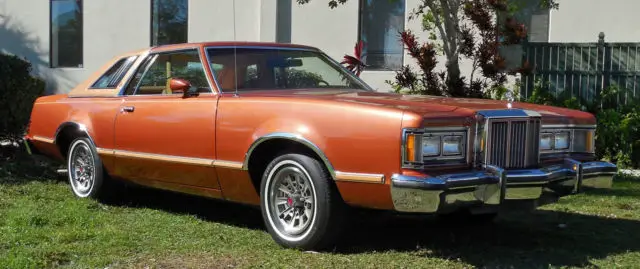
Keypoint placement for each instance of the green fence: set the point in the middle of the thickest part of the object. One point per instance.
(584, 69)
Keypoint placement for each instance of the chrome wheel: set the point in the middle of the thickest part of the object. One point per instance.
(81, 168)
(291, 200)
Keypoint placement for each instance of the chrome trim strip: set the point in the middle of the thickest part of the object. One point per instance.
(107, 152)
(43, 139)
(292, 137)
(576, 126)
(172, 158)
(206, 61)
(262, 47)
(360, 177)
(213, 75)
(162, 157)
(227, 164)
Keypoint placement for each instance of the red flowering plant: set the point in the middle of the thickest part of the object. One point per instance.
(474, 30)
(355, 63)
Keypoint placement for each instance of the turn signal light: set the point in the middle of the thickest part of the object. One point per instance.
(410, 148)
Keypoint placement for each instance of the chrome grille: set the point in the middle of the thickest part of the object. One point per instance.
(513, 143)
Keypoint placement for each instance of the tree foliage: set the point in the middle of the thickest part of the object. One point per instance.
(461, 29)
(18, 91)
(618, 129)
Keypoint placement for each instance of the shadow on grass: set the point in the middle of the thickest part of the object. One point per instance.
(23, 168)
(531, 240)
(206, 209)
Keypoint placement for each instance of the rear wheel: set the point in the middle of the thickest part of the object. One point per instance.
(300, 205)
(84, 169)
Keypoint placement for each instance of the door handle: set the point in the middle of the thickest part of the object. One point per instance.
(127, 109)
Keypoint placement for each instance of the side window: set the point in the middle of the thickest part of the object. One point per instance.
(153, 77)
(114, 74)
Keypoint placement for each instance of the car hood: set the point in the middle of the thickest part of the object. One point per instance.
(435, 106)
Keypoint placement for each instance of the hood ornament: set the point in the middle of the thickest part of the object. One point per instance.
(510, 98)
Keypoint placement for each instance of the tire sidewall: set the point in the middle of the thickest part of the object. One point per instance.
(319, 184)
(98, 175)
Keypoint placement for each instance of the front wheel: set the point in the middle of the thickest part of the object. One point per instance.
(84, 168)
(300, 205)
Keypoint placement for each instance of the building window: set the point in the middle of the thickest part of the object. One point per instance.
(169, 22)
(66, 33)
(379, 28)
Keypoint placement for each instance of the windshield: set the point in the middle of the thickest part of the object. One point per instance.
(277, 69)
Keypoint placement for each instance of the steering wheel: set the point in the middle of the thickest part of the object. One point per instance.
(323, 81)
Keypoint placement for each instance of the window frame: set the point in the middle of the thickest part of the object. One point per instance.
(150, 59)
(129, 62)
(51, 65)
(331, 61)
(151, 11)
(361, 6)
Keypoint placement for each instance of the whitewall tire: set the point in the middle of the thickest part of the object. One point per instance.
(300, 205)
(84, 168)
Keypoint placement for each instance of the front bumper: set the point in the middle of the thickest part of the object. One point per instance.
(493, 186)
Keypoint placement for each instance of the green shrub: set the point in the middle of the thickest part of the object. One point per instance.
(18, 90)
(618, 131)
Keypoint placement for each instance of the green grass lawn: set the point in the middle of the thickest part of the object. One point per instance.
(43, 225)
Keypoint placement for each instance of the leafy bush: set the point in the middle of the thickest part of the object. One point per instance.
(618, 131)
(18, 91)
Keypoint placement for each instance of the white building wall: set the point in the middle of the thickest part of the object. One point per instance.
(214, 20)
(115, 26)
(583, 20)
(24, 31)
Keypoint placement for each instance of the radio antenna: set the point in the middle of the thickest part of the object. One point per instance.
(235, 57)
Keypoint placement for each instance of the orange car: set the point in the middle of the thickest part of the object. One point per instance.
(289, 129)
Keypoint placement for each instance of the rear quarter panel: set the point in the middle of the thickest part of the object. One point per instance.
(355, 138)
(96, 115)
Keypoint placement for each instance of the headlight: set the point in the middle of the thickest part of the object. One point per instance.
(567, 140)
(452, 145)
(561, 141)
(433, 146)
(430, 145)
(545, 141)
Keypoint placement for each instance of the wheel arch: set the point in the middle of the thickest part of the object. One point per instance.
(267, 147)
(65, 134)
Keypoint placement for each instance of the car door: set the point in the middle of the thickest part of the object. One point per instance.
(161, 136)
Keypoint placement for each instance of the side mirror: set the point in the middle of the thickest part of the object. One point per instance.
(178, 85)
